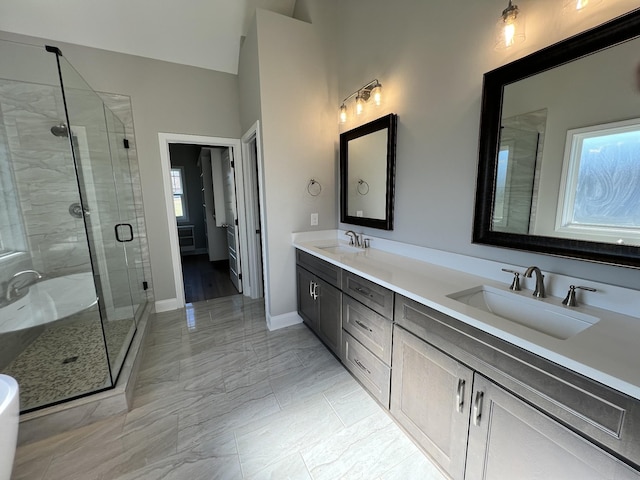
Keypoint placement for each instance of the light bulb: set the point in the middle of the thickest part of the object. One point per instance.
(509, 33)
(359, 104)
(343, 113)
(376, 94)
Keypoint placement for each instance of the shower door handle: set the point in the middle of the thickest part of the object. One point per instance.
(117, 230)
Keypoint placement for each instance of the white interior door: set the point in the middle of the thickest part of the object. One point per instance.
(231, 213)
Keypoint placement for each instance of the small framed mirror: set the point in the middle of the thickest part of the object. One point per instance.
(367, 173)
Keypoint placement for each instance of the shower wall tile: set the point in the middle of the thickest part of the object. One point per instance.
(46, 175)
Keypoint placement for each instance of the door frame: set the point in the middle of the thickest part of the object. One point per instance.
(166, 139)
(257, 272)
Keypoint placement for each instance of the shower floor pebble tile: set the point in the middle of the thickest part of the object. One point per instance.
(220, 397)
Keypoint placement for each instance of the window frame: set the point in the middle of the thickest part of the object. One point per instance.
(183, 195)
(569, 180)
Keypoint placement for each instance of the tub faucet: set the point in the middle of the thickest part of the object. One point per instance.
(539, 291)
(16, 282)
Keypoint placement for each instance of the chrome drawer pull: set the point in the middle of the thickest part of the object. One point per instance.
(460, 395)
(362, 325)
(357, 362)
(477, 408)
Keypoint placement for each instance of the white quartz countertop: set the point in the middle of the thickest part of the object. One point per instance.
(606, 352)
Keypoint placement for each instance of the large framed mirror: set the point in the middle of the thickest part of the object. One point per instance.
(559, 149)
(367, 173)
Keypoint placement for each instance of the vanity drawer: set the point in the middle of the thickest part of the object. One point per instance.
(325, 270)
(370, 328)
(372, 295)
(366, 367)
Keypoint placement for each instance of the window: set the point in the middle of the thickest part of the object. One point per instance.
(599, 195)
(179, 193)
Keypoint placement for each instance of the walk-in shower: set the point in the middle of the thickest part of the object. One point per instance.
(72, 246)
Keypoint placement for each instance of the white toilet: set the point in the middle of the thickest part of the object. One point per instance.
(9, 418)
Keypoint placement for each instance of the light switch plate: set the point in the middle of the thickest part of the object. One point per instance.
(314, 219)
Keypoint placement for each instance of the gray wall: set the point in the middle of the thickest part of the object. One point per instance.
(298, 139)
(430, 58)
(168, 98)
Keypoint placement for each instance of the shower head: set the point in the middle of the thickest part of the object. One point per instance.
(60, 130)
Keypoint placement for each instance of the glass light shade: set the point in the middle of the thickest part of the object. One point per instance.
(510, 28)
(343, 113)
(376, 94)
(359, 104)
(578, 5)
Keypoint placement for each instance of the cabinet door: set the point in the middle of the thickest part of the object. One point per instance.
(510, 439)
(306, 301)
(431, 397)
(329, 315)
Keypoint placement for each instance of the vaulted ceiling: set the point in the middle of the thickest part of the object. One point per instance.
(202, 33)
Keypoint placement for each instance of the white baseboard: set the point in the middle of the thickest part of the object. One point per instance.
(284, 320)
(166, 305)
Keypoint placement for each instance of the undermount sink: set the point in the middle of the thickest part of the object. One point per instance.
(557, 321)
(338, 249)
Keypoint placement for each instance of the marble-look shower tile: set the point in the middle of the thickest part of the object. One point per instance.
(363, 451)
(289, 468)
(273, 438)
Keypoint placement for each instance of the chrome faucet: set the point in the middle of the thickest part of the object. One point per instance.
(354, 238)
(539, 291)
(14, 284)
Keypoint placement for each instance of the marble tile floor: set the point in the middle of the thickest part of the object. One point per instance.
(220, 397)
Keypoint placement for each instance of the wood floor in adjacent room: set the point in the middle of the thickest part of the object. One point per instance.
(205, 280)
(221, 397)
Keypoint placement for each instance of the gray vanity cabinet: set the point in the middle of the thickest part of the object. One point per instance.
(367, 310)
(510, 439)
(431, 399)
(320, 302)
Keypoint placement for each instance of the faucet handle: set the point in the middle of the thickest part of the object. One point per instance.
(515, 285)
(570, 299)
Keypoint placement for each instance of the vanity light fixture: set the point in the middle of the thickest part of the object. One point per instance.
(371, 90)
(510, 27)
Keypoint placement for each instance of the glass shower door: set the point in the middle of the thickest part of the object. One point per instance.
(94, 133)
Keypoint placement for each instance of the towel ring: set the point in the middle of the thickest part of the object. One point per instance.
(314, 188)
(363, 187)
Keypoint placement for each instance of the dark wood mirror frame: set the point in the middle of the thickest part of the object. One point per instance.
(604, 36)
(389, 123)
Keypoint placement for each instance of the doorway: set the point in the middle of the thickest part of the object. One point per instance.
(202, 192)
(211, 267)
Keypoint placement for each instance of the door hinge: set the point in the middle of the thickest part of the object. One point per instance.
(125, 142)
(239, 276)
(233, 164)
(236, 222)
(145, 285)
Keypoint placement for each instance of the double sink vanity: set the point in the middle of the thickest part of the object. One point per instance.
(490, 382)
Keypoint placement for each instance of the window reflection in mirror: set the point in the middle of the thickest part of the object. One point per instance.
(599, 196)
